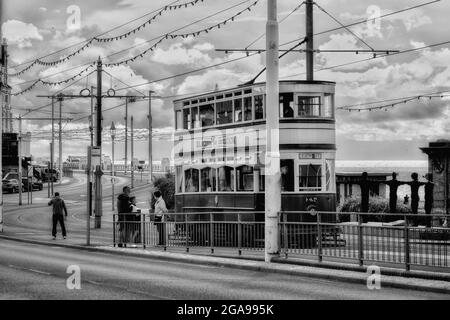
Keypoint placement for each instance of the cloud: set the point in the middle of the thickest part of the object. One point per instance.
(178, 54)
(21, 33)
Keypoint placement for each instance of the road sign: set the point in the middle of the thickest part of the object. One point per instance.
(30, 172)
(96, 157)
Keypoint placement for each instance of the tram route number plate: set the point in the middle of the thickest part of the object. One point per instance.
(309, 156)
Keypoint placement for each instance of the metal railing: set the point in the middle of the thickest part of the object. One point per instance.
(324, 235)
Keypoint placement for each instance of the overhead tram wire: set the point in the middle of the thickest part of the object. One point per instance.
(126, 84)
(56, 93)
(137, 45)
(167, 34)
(132, 32)
(188, 72)
(99, 35)
(343, 26)
(367, 20)
(373, 58)
(281, 21)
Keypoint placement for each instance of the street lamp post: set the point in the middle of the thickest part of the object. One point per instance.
(113, 174)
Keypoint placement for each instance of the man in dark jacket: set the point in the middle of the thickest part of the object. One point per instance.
(59, 209)
(123, 209)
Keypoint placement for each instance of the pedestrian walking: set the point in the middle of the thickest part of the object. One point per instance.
(123, 209)
(160, 211)
(59, 209)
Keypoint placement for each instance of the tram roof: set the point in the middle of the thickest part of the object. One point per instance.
(293, 82)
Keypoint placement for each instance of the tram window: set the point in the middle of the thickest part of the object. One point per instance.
(194, 117)
(262, 181)
(179, 118)
(224, 112)
(248, 106)
(238, 110)
(287, 105)
(287, 176)
(259, 107)
(245, 178)
(211, 99)
(310, 177)
(202, 100)
(328, 105)
(238, 93)
(207, 115)
(226, 179)
(309, 106)
(249, 91)
(191, 180)
(208, 180)
(187, 119)
(186, 103)
(179, 179)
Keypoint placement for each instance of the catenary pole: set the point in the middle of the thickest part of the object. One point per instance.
(272, 165)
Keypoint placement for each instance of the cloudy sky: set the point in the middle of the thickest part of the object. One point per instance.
(41, 27)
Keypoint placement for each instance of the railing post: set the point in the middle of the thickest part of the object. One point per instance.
(319, 235)
(360, 241)
(239, 234)
(407, 249)
(187, 233)
(285, 235)
(144, 242)
(114, 230)
(211, 232)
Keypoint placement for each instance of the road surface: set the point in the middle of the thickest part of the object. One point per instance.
(39, 272)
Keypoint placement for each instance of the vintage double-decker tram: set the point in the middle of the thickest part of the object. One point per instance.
(220, 148)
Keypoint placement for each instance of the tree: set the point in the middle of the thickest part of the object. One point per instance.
(167, 187)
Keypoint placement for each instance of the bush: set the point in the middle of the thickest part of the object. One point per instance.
(376, 205)
(167, 187)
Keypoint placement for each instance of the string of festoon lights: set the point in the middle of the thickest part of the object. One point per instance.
(391, 105)
(183, 35)
(89, 42)
(56, 83)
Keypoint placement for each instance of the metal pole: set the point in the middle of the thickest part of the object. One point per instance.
(91, 118)
(52, 149)
(1, 117)
(273, 176)
(99, 128)
(310, 42)
(113, 174)
(19, 168)
(132, 152)
(126, 134)
(88, 198)
(98, 197)
(150, 140)
(60, 142)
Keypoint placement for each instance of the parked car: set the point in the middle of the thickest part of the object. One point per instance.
(12, 186)
(37, 185)
(50, 175)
